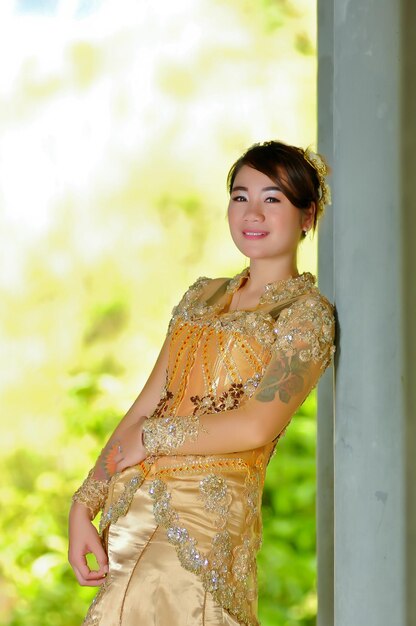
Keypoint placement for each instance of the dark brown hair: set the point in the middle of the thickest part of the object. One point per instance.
(288, 168)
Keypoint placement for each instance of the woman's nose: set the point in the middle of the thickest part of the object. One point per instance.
(254, 211)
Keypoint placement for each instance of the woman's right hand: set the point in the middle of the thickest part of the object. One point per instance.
(84, 539)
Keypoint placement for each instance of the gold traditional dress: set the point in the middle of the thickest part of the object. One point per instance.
(182, 532)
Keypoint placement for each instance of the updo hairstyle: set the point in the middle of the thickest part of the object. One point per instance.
(288, 167)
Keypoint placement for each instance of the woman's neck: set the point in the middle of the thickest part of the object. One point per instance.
(264, 271)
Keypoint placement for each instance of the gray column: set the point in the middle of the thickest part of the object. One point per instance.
(367, 259)
(408, 171)
(325, 434)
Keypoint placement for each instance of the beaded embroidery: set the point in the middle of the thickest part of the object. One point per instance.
(92, 493)
(190, 308)
(228, 582)
(192, 465)
(306, 327)
(279, 290)
(164, 435)
(216, 496)
(250, 338)
(189, 297)
(259, 324)
(122, 504)
(245, 342)
(229, 399)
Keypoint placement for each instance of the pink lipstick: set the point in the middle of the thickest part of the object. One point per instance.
(255, 234)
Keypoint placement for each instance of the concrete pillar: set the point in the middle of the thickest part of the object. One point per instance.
(367, 263)
(325, 430)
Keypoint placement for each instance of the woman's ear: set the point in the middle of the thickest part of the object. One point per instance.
(308, 216)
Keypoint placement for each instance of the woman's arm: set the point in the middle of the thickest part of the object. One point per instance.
(144, 404)
(90, 497)
(150, 395)
(114, 457)
(303, 349)
(284, 387)
(93, 491)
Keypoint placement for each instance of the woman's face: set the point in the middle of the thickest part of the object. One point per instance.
(263, 222)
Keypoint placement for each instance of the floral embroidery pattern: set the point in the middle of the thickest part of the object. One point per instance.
(92, 493)
(279, 290)
(226, 401)
(306, 328)
(122, 504)
(164, 435)
(162, 405)
(235, 349)
(190, 557)
(228, 583)
(216, 496)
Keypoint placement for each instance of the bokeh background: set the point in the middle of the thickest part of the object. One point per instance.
(118, 123)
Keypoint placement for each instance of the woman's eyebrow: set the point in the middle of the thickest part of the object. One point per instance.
(241, 188)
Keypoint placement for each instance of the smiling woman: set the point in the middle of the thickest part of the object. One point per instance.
(180, 481)
(298, 174)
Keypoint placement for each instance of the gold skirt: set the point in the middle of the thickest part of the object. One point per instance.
(147, 584)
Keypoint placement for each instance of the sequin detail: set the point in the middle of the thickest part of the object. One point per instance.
(307, 328)
(92, 493)
(251, 384)
(192, 308)
(188, 299)
(280, 290)
(217, 359)
(189, 556)
(122, 504)
(259, 323)
(217, 499)
(164, 435)
(192, 465)
(229, 583)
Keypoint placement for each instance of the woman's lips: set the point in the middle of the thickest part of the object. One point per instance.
(255, 234)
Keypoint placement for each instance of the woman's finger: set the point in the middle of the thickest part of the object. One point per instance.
(94, 582)
(79, 564)
(87, 576)
(101, 557)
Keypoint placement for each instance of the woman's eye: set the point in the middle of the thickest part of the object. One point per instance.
(272, 199)
(239, 199)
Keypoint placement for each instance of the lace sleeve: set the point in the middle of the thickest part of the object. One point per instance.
(306, 329)
(92, 493)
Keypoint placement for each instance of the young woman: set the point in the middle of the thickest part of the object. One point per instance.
(180, 480)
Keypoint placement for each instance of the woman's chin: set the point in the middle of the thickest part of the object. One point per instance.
(257, 252)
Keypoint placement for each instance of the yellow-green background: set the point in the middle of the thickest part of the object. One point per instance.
(118, 123)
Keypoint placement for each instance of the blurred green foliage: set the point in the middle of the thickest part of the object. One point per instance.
(116, 140)
(37, 584)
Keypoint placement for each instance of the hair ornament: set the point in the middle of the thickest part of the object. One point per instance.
(322, 169)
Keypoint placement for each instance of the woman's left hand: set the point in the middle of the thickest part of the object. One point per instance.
(123, 450)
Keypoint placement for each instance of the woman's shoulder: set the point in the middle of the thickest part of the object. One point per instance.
(202, 288)
(309, 320)
(206, 284)
(314, 298)
(313, 306)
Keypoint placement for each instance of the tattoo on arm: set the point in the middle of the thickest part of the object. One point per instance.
(285, 376)
(106, 466)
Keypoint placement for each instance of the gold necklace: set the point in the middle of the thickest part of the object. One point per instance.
(238, 301)
(239, 295)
